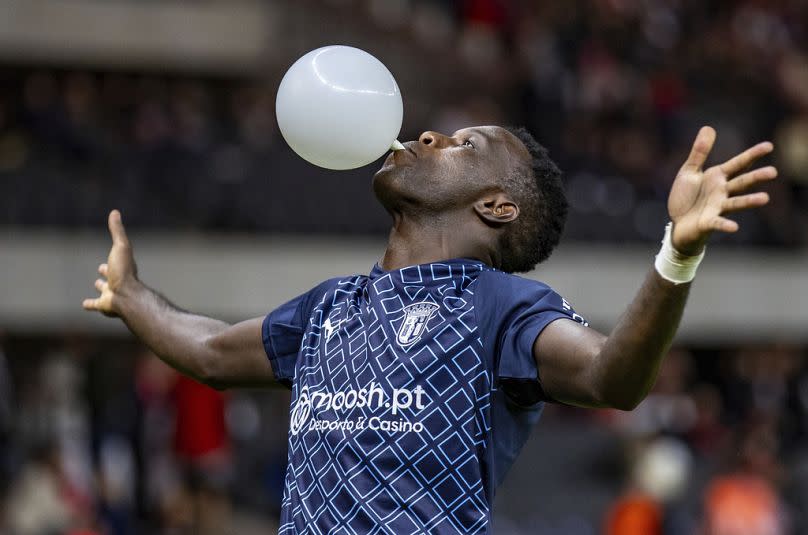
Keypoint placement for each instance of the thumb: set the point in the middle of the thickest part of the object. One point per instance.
(116, 229)
(701, 149)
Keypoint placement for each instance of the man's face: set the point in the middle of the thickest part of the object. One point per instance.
(440, 172)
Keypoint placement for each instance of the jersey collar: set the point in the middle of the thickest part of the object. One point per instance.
(461, 265)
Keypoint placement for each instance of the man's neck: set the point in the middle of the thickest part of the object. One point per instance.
(431, 239)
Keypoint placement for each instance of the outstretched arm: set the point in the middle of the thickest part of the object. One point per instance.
(581, 366)
(209, 350)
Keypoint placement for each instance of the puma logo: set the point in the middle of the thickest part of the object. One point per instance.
(330, 329)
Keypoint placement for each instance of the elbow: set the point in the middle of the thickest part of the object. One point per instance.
(622, 398)
(213, 381)
(211, 366)
(627, 404)
(209, 374)
(618, 390)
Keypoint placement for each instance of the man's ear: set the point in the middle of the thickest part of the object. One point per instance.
(497, 209)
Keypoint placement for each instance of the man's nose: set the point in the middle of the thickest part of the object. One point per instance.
(434, 140)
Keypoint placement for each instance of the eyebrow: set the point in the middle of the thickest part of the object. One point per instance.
(485, 135)
(482, 133)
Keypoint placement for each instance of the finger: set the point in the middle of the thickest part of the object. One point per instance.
(701, 149)
(743, 202)
(103, 269)
(100, 284)
(116, 228)
(745, 181)
(746, 158)
(91, 304)
(722, 224)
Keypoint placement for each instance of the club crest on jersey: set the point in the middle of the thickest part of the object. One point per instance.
(413, 326)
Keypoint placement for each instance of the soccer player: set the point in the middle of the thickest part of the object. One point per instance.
(414, 387)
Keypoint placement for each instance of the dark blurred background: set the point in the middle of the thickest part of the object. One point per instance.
(165, 110)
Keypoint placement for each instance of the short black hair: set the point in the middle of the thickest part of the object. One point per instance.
(539, 193)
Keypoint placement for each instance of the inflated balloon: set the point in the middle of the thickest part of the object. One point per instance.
(339, 107)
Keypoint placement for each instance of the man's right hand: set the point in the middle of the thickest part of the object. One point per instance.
(206, 349)
(118, 274)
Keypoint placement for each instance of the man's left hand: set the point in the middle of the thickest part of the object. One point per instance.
(700, 198)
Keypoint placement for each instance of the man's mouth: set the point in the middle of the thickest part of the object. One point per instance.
(408, 146)
(394, 157)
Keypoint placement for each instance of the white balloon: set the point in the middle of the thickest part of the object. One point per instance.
(339, 107)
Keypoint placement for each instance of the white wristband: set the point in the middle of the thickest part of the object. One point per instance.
(673, 265)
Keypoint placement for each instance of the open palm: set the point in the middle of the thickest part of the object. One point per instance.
(700, 198)
(117, 272)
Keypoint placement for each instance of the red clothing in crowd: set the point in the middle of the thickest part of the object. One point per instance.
(200, 427)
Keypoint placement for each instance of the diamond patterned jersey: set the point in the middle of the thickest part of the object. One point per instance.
(413, 390)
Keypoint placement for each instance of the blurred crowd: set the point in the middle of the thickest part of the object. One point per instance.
(719, 447)
(102, 438)
(616, 89)
(97, 436)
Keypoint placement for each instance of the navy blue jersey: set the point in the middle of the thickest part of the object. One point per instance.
(413, 391)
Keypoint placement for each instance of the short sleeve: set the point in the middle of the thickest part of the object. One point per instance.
(283, 329)
(512, 311)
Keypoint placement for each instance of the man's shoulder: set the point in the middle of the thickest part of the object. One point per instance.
(333, 285)
(494, 280)
(343, 281)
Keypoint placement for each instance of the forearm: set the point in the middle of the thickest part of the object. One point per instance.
(179, 338)
(211, 351)
(581, 366)
(629, 358)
